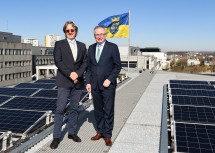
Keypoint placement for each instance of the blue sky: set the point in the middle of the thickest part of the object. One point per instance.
(171, 25)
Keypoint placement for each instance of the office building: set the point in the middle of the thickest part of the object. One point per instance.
(15, 60)
(51, 39)
(34, 42)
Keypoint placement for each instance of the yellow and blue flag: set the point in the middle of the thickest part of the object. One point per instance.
(116, 26)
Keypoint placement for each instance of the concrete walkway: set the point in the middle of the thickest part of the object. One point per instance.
(126, 99)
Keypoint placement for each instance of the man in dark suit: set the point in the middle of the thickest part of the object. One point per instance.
(71, 60)
(104, 65)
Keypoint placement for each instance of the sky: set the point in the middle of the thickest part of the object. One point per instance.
(171, 25)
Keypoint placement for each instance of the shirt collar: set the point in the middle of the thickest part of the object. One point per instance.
(102, 44)
(72, 41)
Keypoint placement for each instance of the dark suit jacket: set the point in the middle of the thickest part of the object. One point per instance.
(108, 67)
(65, 63)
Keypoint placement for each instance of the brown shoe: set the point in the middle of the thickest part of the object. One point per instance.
(108, 142)
(97, 137)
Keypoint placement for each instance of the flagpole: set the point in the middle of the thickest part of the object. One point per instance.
(128, 40)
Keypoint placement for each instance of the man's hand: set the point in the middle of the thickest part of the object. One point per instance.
(106, 83)
(73, 76)
(88, 87)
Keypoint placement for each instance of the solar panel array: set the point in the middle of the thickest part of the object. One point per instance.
(192, 105)
(212, 82)
(49, 93)
(52, 81)
(193, 92)
(17, 91)
(192, 86)
(22, 110)
(36, 85)
(23, 105)
(3, 99)
(30, 103)
(18, 121)
(190, 82)
(194, 114)
(195, 138)
(193, 100)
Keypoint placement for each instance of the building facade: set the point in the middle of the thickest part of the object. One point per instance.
(143, 58)
(15, 60)
(191, 62)
(34, 42)
(15, 63)
(42, 56)
(9, 37)
(51, 39)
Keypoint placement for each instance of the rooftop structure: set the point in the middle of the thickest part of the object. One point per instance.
(139, 117)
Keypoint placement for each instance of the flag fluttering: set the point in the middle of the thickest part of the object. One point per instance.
(117, 26)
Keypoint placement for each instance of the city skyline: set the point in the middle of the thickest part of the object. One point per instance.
(171, 26)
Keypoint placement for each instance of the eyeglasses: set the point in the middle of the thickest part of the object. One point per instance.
(102, 34)
(72, 30)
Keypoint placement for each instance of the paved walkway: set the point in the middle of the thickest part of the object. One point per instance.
(126, 99)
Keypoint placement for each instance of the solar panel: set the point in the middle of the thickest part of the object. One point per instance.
(30, 103)
(189, 86)
(194, 114)
(46, 93)
(3, 99)
(17, 91)
(18, 121)
(53, 77)
(188, 82)
(212, 82)
(36, 85)
(194, 138)
(197, 101)
(46, 81)
(208, 93)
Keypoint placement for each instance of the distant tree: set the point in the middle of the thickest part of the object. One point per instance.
(202, 61)
(172, 63)
(213, 60)
(182, 62)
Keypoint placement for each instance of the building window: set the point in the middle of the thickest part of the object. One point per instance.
(6, 76)
(1, 78)
(6, 51)
(1, 64)
(14, 51)
(10, 64)
(18, 52)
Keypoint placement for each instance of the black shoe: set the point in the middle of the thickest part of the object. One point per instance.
(74, 137)
(55, 143)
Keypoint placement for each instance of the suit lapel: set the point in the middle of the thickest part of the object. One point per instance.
(103, 51)
(67, 49)
(78, 51)
(94, 53)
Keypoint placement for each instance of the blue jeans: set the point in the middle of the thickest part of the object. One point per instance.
(74, 96)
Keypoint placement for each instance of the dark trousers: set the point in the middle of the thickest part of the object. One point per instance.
(74, 96)
(103, 101)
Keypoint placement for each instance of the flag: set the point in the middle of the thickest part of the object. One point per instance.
(116, 26)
